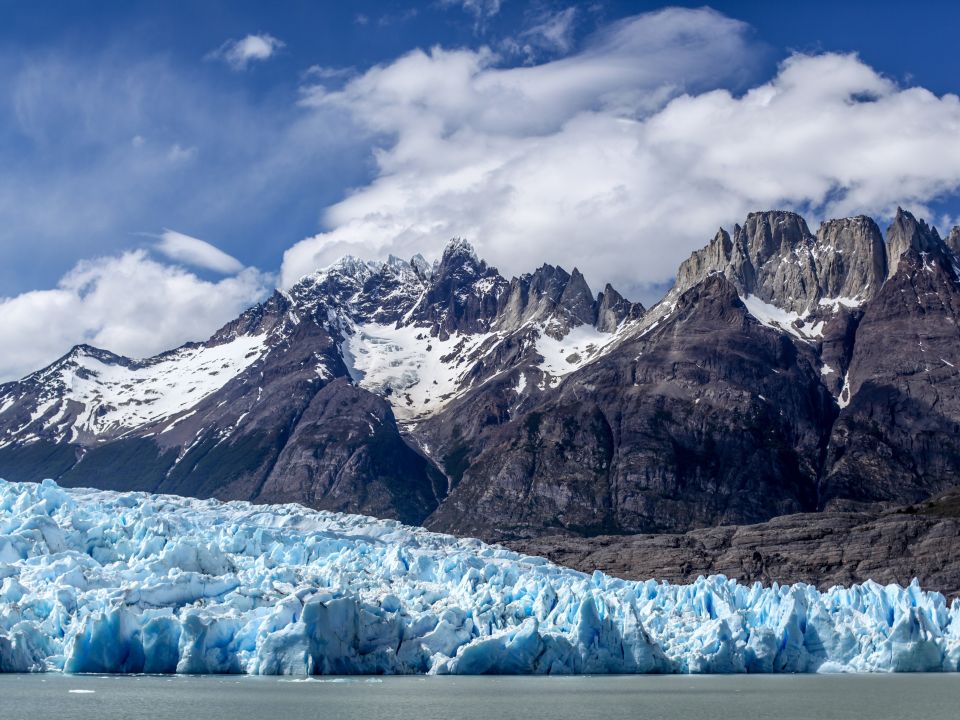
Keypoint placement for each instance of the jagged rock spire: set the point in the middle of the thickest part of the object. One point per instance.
(906, 233)
(953, 240)
(775, 257)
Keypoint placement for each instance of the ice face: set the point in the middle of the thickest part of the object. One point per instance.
(95, 581)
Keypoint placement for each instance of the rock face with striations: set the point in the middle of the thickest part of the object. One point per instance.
(709, 417)
(953, 240)
(770, 257)
(850, 260)
(775, 258)
(897, 438)
(823, 549)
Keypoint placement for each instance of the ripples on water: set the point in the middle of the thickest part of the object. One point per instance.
(752, 697)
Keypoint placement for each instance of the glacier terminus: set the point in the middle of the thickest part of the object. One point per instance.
(101, 581)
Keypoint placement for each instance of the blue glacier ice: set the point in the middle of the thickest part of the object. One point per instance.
(95, 581)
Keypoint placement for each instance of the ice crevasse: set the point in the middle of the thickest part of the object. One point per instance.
(96, 581)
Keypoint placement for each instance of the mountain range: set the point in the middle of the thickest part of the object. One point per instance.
(789, 411)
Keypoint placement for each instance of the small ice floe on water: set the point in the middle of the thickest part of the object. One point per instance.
(338, 680)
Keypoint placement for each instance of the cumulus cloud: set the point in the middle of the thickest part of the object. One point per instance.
(196, 252)
(624, 157)
(238, 54)
(516, 158)
(129, 303)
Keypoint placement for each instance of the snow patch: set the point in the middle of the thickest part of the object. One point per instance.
(521, 384)
(780, 319)
(578, 347)
(844, 398)
(417, 373)
(836, 302)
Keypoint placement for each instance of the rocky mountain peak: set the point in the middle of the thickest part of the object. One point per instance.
(953, 240)
(561, 301)
(772, 234)
(459, 267)
(851, 259)
(774, 257)
(332, 285)
(462, 294)
(352, 267)
(906, 233)
(577, 300)
(421, 266)
(769, 256)
(459, 251)
(533, 297)
(83, 350)
(613, 309)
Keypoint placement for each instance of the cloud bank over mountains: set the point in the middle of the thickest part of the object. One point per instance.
(619, 157)
(131, 304)
(624, 157)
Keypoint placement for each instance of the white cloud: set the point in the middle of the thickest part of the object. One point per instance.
(552, 33)
(253, 48)
(196, 252)
(516, 158)
(621, 159)
(179, 154)
(127, 303)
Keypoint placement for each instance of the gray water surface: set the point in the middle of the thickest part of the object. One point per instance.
(816, 697)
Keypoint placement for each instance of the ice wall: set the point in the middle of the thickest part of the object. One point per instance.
(95, 581)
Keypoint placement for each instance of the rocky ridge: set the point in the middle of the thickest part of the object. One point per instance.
(786, 374)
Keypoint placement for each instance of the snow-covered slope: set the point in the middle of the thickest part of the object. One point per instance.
(417, 372)
(107, 582)
(114, 394)
(414, 334)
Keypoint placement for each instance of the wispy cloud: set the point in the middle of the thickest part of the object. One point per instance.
(550, 33)
(196, 252)
(238, 54)
(397, 18)
(481, 10)
(98, 147)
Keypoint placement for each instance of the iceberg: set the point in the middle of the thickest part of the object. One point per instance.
(107, 582)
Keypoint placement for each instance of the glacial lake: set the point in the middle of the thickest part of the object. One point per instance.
(705, 697)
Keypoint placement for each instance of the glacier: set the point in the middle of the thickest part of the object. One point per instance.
(106, 582)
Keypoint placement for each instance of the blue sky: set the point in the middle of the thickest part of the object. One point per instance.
(139, 140)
